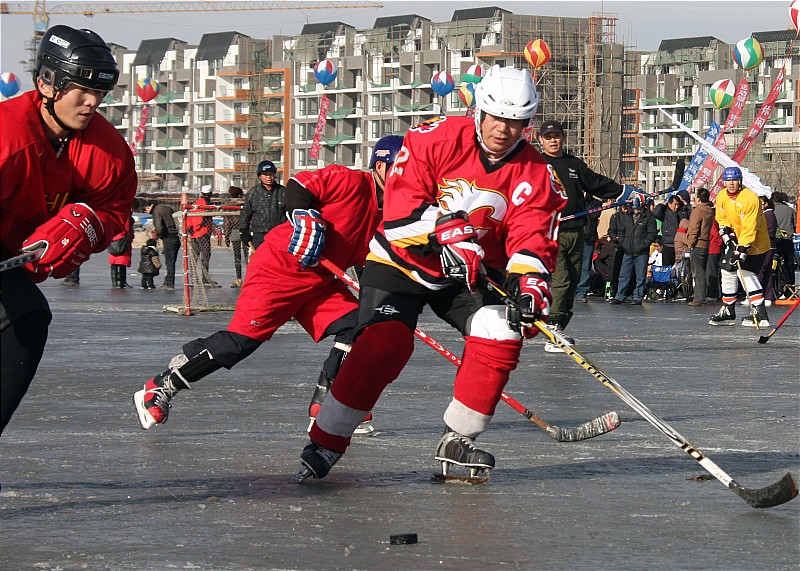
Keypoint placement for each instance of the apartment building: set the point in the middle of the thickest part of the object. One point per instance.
(233, 100)
(678, 77)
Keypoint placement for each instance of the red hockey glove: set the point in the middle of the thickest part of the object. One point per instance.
(533, 296)
(461, 254)
(68, 239)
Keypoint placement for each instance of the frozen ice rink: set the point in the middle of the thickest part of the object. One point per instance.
(83, 487)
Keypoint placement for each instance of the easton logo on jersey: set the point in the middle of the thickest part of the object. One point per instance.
(485, 207)
(429, 125)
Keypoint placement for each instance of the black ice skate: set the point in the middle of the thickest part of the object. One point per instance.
(725, 316)
(758, 315)
(317, 461)
(456, 449)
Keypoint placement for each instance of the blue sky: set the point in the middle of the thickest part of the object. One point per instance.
(641, 24)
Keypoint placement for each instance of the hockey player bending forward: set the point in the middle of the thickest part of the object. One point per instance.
(743, 228)
(333, 211)
(463, 193)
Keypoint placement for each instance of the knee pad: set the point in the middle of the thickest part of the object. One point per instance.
(489, 322)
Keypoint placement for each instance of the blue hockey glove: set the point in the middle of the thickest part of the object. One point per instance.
(308, 237)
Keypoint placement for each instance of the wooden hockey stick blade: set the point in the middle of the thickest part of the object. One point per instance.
(605, 423)
(773, 495)
(764, 338)
(600, 425)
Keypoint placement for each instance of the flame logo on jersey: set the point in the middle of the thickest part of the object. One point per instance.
(429, 125)
(555, 183)
(486, 207)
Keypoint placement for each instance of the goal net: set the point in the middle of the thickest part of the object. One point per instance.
(211, 275)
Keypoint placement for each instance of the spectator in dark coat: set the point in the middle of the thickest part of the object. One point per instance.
(787, 221)
(166, 231)
(636, 232)
(765, 275)
(264, 206)
(149, 263)
(670, 213)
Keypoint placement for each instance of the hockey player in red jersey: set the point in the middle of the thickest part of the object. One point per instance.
(67, 181)
(464, 194)
(333, 211)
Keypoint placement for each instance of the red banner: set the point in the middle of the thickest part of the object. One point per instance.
(742, 92)
(323, 118)
(758, 125)
(140, 131)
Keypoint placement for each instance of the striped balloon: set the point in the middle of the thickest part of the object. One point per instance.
(721, 93)
(747, 53)
(794, 14)
(467, 94)
(537, 52)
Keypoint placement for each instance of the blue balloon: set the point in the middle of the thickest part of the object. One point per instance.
(326, 71)
(442, 83)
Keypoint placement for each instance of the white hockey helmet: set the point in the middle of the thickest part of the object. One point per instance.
(506, 92)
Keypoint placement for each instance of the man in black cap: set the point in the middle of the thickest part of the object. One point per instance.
(264, 206)
(579, 181)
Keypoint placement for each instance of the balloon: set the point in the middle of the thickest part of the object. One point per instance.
(9, 84)
(467, 94)
(474, 73)
(721, 93)
(442, 83)
(326, 71)
(537, 52)
(147, 88)
(794, 14)
(747, 53)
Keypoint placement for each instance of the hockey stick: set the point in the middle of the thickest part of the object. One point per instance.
(680, 167)
(764, 338)
(773, 495)
(600, 425)
(20, 260)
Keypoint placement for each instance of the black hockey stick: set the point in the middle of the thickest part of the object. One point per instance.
(764, 338)
(680, 167)
(605, 423)
(773, 495)
(20, 260)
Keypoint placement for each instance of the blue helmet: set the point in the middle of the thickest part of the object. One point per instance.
(732, 173)
(638, 200)
(386, 150)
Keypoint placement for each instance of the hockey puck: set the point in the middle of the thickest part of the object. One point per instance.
(403, 539)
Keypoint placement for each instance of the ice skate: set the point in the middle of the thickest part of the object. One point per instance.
(725, 316)
(456, 449)
(551, 347)
(153, 401)
(317, 461)
(759, 314)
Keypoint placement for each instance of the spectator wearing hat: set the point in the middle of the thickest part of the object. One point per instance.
(636, 233)
(578, 181)
(670, 213)
(264, 206)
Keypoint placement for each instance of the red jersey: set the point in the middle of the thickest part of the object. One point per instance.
(199, 226)
(96, 168)
(347, 201)
(514, 203)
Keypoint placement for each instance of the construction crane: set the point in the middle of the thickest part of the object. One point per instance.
(41, 14)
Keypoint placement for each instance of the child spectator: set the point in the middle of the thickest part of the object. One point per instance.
(149, 263)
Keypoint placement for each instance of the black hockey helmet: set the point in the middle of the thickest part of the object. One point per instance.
(67, 55)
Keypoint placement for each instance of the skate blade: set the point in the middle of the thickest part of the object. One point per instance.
(364, 430)
(304, 473)
(552, 348)
(146, 421)
(463, 480)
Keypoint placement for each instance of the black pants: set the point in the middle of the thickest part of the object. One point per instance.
(171, 246)
(24, 319)
(147, 281)
(237, 257)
